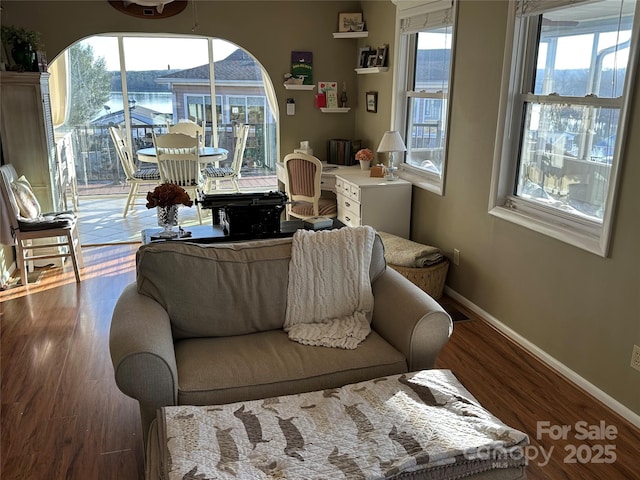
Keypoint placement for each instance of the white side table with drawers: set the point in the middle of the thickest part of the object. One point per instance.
(365, 200)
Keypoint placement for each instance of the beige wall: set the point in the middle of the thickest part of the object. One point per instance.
(582, 309)
(268, 30)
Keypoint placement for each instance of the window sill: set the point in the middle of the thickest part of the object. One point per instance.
(555, 227)
(421, 179)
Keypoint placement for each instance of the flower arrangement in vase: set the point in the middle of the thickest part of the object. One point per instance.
(364, 156)
(166, 198)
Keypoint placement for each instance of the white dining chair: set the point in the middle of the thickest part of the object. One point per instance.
(37, 236)
(215, 175)
(190, 128)
(179, 163)
(134, 176)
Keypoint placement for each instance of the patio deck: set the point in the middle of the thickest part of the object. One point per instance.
(101, 206)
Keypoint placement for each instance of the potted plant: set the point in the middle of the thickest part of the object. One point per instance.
(22, 44)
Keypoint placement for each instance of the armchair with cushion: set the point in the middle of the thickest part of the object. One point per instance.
(204, 325)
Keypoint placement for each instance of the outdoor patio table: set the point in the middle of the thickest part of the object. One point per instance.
(207, 155)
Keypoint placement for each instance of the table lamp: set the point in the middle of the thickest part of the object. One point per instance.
(391, 142)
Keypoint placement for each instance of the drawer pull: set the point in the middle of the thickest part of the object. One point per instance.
(347, 219)
(347, 204)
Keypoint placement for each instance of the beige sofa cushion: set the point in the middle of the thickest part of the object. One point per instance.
(224, 289)
(268, 364)
(217, 290)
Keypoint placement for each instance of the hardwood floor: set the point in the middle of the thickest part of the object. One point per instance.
(521, 391)
(62, 416)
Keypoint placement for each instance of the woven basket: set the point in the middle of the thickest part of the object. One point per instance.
(430, 279)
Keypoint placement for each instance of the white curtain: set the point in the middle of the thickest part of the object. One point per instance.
(272, 100)
(59, 89)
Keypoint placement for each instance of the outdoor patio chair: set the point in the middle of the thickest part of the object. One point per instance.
(214, 175)
(190, 128)
(179, 162)
(135, 176)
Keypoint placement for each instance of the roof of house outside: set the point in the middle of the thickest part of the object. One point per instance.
(139, 116)
(239, 66)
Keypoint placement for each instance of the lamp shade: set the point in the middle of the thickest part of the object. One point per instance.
(392, 142)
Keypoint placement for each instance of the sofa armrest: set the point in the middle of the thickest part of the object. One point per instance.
(141, 347)
(409, 319)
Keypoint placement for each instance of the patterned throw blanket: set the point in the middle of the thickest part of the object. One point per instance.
(410, 424)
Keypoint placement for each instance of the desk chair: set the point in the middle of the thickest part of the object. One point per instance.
(302, 186)
(179, 162)
(214, 175)
(135, 176)
(22, 210)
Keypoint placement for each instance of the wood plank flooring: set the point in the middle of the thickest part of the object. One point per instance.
(521, 391)
(62, 416)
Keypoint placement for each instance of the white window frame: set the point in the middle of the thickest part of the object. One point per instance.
(412, 17)
(590, 235)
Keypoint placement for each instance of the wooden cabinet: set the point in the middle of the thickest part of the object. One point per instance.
(383, 204)
(27, 134)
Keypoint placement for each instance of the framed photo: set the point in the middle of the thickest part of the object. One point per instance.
(363, 56)
(371, 99)
(381, 56)
(350, 22)
(371, 59)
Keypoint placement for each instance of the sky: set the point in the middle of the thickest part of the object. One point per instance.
(148, 53)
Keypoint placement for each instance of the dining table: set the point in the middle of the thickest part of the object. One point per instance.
(206, 155)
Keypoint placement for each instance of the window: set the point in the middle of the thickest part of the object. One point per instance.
(114, 80)
(237, 109)
(199, 109)
(425, 59)
(570, 75)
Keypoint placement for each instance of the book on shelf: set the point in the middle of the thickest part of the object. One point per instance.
(302, 66)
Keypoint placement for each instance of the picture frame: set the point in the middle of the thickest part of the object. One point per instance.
(371, 59)
(350, 22)
(371, 100)
(381, 56)
(363, 56)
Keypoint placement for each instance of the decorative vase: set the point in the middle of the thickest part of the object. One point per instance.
(23, 55)
(365, 164)
(167, 219)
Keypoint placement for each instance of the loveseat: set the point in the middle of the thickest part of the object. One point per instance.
(203, 325)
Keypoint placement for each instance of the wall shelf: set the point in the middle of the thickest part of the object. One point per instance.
(291, 86)
(362, 71)
(350, 34)
(335, 110)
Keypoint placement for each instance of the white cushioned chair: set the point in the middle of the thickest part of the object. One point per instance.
(28, 223)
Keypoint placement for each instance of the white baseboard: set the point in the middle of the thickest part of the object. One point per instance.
(550, 361)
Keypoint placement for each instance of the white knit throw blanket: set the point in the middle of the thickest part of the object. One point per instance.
(329, 298)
